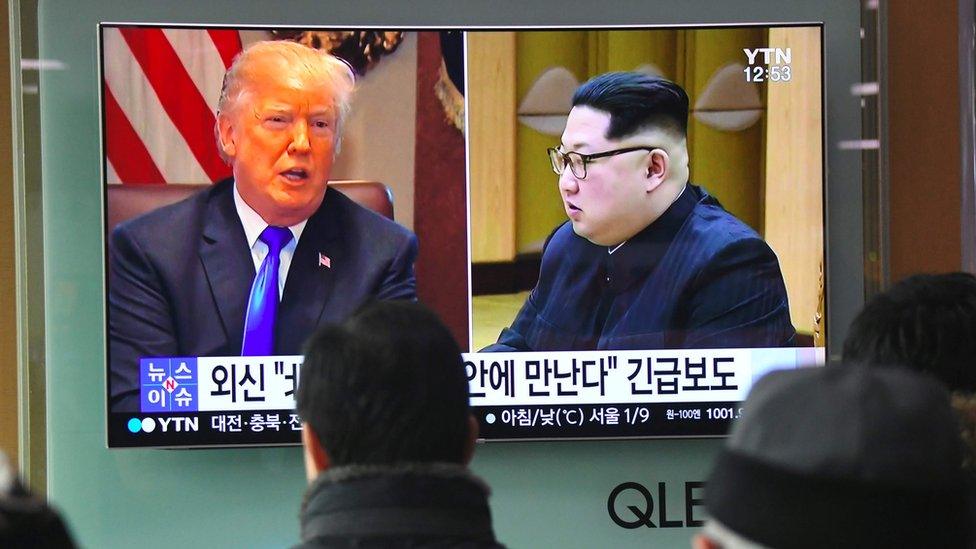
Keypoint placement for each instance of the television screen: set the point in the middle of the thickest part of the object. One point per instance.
(615, 269)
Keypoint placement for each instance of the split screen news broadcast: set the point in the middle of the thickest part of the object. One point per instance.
(624, 227)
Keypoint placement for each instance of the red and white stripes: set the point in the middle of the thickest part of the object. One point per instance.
(160, 97)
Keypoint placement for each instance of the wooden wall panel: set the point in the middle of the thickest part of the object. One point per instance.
(540, 209)
(491, 144)
(9, 407)
(794, 172)
(923, 137)
(727, 164)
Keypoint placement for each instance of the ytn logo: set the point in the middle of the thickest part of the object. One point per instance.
(166, 424)
(631, 505)
(782, 56)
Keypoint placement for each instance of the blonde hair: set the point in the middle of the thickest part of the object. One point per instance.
(337, 73)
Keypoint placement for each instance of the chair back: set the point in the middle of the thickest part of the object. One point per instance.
(128, 201)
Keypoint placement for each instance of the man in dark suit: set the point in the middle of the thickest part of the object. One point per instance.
(253, 265)
(647, 260)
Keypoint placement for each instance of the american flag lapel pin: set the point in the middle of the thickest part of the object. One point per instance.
(324, 261)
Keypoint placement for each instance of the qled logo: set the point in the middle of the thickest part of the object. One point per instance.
(631, 505)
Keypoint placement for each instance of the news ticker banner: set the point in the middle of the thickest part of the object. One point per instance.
(665, 393)
(250, 400)
(214, 384)
(211, 384)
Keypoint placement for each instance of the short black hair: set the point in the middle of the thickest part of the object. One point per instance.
(386, 386)
(635, 101)
(926, 322)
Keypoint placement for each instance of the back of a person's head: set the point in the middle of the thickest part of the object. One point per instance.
(26, 520)
(926, 323)
(386, 386)
(843, 456)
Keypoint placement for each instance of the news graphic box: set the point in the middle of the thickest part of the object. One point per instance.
(218, 401)
(213, 401)
(767, 172)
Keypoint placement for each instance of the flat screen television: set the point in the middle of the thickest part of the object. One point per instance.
(568, 337)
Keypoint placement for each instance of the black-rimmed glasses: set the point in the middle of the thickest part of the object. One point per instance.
(577, 161)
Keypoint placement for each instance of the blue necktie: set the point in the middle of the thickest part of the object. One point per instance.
(262, 306)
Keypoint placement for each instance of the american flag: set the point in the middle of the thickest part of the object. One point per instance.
(161, 88)
(324, 261)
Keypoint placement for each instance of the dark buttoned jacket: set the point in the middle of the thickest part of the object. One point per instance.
(696, 277)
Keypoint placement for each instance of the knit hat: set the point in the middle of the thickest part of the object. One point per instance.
(843, 456)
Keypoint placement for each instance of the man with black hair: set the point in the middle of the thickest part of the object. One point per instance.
(25, 519)
(926, 322)
(388, 433)
(647, 260)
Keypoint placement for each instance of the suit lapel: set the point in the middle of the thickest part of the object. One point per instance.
(310, 284)
(227, 261)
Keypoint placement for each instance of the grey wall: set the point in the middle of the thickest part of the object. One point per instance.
(546, 494)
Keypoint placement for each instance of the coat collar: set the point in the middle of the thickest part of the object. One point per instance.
(406, 499)
(640, 255)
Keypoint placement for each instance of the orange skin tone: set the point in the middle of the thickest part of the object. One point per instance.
(280, 137)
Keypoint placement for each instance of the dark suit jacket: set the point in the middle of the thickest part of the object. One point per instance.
(180, 277)
(695, 278)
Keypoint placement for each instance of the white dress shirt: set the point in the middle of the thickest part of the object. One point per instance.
(254, 225)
